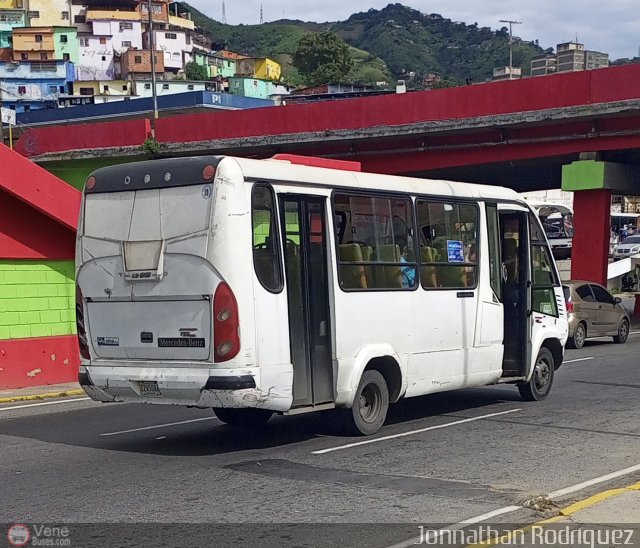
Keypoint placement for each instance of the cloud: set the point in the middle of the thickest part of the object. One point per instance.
(611, 26)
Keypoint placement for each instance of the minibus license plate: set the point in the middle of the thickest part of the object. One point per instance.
(149, 388)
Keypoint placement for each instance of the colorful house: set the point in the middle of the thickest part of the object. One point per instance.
(11, 15)
(37, 288)
(253, 87)
(48, 13)
(45, 44)
(259, 67)
(34, 85)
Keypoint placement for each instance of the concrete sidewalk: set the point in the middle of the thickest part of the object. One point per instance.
(41, 392)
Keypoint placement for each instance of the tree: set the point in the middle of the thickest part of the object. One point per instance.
(322, 58)
(194, 71)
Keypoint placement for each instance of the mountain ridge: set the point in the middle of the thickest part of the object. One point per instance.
(395, 42)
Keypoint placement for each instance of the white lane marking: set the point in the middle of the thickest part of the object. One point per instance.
(434, 535)
(595, 481)
(42, 403)
(157, 426)
(579, 360)
(412, 432)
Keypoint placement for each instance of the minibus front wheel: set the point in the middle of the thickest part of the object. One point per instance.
(539, 385)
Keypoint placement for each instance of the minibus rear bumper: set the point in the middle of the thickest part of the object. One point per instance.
(266, 387)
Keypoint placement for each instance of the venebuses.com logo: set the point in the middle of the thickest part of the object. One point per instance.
(19, 534)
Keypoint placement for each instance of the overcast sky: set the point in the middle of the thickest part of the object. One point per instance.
(611, 26)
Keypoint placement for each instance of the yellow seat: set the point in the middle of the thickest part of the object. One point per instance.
(388, 276)
(428, 272)
(351, 276)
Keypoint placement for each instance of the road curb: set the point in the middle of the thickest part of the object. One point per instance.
(562, 514)
(598, 497)
(47, 395)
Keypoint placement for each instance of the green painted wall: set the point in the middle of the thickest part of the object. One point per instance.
(76, 172)
(37, 299)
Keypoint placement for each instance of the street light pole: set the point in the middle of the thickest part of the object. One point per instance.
(511, 23)
(153, 72)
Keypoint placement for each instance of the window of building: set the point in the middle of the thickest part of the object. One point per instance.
(44, 56)
(86, 91)
(63, 39)
(124, 88)
(105, 89)
(376, 243)
(126, 44)
(190, 87)
(64, 15)
(80, 19)
(38, 38)
(53, 89)
(137, 59)
(165, 86)
(264, 219)
(24, 56)
(170, 35)
(33, 14)
(66, 57)
(126, 25)
(147, 86)
(22, 90)
(103, 41)
(104, 58)
(448, 244)
(62, 90)
(83, 42)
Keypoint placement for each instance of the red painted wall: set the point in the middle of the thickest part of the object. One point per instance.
(37, 362)
(27, 234)
(592, 222)
(83, 137)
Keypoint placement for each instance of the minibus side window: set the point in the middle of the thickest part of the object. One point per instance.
(266, 256)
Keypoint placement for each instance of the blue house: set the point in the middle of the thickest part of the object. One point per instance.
(34, 85)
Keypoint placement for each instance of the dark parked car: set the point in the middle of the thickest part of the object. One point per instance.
(594, 312)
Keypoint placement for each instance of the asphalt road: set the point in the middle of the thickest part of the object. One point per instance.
(444, 458)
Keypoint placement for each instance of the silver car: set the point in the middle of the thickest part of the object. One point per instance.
(593, 312)
(630, 246)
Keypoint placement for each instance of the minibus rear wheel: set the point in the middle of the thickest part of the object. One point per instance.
(539, 385)
(249, 417)
(370, 406)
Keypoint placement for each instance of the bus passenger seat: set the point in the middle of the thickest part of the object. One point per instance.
(351, 276)
(427, 271)
(388, 276)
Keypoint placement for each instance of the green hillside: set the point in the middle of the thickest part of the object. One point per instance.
(396, 42)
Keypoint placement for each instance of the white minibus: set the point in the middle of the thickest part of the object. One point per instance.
(296, 284)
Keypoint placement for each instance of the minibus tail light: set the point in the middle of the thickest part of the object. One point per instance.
(208, 173)
(226, 325)
(83, 343)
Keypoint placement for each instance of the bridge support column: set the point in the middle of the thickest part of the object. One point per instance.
(592, 232)
(593, 183)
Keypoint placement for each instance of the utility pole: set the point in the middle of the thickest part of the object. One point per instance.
(261, 16)
(511, 23)
(224, 13)
(152, 52)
